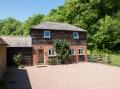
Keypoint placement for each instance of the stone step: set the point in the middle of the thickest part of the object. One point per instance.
(41, 65)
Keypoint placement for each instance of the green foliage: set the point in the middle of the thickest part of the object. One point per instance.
(101, 56)
(9, 26)
(108, 33)
(53, 61)
(17, 59)
(56, 15)
(31, 21)
(101, 18)
(115, 59)
(62, 49)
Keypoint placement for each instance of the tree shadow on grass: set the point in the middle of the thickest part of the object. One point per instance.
(17, 78)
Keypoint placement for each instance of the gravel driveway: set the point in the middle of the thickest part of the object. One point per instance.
(72, 76)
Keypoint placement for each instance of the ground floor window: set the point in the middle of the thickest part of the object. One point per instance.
(52, 52)
(80, 51)
(72, 51)
(81, 58)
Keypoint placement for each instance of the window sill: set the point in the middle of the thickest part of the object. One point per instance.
(52, 56)
(46, 37)
(75, 38)
(80, 54)
(72, 54)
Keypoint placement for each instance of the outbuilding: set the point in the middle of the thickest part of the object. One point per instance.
(16, 45)
(3, 45)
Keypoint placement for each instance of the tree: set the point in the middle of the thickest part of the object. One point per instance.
(33, 20)
(9, 26)
(101, 19)
(56, 15)
(62, 49)
(108, 34)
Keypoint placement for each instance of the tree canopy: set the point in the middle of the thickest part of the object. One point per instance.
(101, 18)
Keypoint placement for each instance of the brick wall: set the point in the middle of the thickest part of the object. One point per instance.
(46, 47)
(2, 60)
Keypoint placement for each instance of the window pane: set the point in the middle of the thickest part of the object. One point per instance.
(81, 51)
(75, 35)
(46, 34)
(72, 51)
(53, 52)
(49, 52)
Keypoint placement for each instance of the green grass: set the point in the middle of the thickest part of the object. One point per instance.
(2, 84)
(115, 59)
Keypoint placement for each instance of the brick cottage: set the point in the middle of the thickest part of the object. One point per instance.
(43, 36)
(39, 47)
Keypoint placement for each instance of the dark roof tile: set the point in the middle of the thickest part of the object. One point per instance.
(17, 41)
(2, 42)
(57, 26)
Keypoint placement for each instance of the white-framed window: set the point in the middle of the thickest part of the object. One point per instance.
(75, 35)
(46, 34)
(72, 51)
(80, 51)
(51, 52)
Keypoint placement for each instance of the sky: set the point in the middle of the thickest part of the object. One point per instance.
(22, 9)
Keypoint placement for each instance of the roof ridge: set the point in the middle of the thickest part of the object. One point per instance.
(14, 36)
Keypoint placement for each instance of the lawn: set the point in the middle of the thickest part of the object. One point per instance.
(115, 59)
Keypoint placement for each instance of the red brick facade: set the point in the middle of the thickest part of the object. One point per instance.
(46, 48)
(41, 45)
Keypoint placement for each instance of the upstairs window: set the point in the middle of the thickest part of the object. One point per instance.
(72, 51)
(80, 50)
(75, 35)
(51, 52)
(46, 34)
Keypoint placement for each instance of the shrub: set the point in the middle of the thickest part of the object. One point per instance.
(53, 61)
(62, 49)
(17, 59)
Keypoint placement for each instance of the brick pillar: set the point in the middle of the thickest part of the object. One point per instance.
(86, 58)
(76, 58)
(34, 57)
(45, 57)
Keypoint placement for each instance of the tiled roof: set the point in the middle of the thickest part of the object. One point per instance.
(2, 42)
(17, 41)
(57, 26)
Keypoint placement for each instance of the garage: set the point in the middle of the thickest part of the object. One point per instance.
(16, 45)
(26, 53)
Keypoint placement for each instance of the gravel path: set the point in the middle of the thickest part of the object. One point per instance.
(72, 76)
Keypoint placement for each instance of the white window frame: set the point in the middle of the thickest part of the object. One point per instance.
(82, 51)
(74, 35)
(52, 54)
(45, 35)
(71, 51)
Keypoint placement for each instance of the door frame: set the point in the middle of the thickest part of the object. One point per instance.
(39, 56)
